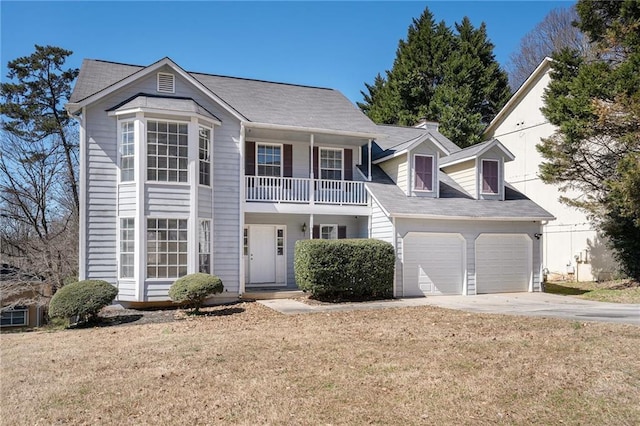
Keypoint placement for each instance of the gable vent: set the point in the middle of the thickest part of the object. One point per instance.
(166, 83)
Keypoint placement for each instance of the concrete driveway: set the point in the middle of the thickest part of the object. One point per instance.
(541, 305)
(525, 304)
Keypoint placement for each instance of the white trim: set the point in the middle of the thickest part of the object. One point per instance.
(190, 154)
(210, 154)
(413, 173)
(144, 71)
(140, 244)
(328, 148)
(481, 177)
(333, 225)
(493, 143)
(193, 177)
(241, 204)
(83, 188)
(268, 126)
(119, 249)
(417, 142)
(475, 218)
(369, 159)
(280, 145)
(395, 254)
(210, 253)
(119, 132)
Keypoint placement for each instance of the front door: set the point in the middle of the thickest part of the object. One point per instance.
(262, 254)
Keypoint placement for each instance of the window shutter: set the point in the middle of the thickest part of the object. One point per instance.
(316, 160)
(342, 232)
(166, 83)
(250, 158)
(316, 232)
(348, 164)
(288, 161)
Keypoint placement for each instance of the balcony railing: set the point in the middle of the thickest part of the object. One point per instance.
(302, 190)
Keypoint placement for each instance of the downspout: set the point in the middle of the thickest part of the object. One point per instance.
(395, 253)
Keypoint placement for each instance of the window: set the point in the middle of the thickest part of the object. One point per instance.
(280, 242)
(423, 173)
(331, 164)
(127, 154)
(166, 248)
(167, 151)
(269, 160)
(205, 156)
(166, 83)
(329, 232)
(489, 176)
(245, 242)
(14, 317)
(127, 247)
(204, 247)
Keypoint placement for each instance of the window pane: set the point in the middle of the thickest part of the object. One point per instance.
(165, 161)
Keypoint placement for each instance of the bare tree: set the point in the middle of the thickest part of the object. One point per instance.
(37, 227)
(555, 32)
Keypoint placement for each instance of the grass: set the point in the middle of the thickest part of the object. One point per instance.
(394, 366)
(619, 291)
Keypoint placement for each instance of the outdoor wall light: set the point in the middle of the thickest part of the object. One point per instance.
(537, 235)
(304, 227)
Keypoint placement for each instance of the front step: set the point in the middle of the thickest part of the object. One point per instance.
(271, 294)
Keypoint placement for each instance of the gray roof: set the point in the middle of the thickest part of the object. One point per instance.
(258, 101)
(398, 138)
(143, 100)
(453, 202)
(468, 152)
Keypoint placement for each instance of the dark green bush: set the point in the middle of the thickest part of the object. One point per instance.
(82, 300)
(192, 290)
(345, 269)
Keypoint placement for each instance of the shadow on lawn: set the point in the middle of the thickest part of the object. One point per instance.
(218, 312)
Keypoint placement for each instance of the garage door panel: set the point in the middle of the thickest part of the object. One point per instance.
(503, 263)
(433, 264)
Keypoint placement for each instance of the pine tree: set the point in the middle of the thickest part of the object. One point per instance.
(437, 74)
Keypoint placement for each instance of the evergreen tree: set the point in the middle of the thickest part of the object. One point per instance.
(437, 74)
(596, 107)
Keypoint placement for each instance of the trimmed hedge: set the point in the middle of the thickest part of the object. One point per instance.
(82, 300)
(345, 269)
(193, 289)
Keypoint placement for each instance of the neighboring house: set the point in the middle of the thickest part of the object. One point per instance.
(20, 295)
(571, 248)
(184, 172)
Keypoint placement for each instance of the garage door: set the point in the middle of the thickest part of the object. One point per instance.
(432, 263)
(503, 263)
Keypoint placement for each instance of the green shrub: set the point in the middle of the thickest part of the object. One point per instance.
(345, 269)
(82, 300)
(191, 290)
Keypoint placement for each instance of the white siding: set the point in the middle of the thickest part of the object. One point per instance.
(127, 199)
(166, 200)
(397, 170)
(126, 290)
(381, 226)
(464, 174)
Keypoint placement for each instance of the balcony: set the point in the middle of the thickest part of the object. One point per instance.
(305, 191)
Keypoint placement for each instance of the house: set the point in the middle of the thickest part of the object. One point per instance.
(571, 248)
(21, 298)
(184, 172)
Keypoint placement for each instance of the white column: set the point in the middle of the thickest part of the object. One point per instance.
(140, 246)
(194, 180)
(83, 212)
(312, 195)
(311, 226)
(370, 162)
(241, 202)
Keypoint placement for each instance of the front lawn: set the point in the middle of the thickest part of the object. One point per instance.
(619, 291)
(251, 365)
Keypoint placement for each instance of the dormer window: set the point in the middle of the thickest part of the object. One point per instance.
(166, 83)
(423, 172)
(490, 176)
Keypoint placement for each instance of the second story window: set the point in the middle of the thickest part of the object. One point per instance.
(490, 176)
(330, 164)
(127, 153)
(423, 173)
(205, 156)
(167, 151)
(269, 160)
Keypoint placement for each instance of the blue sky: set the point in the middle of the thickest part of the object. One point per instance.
(329, 44)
